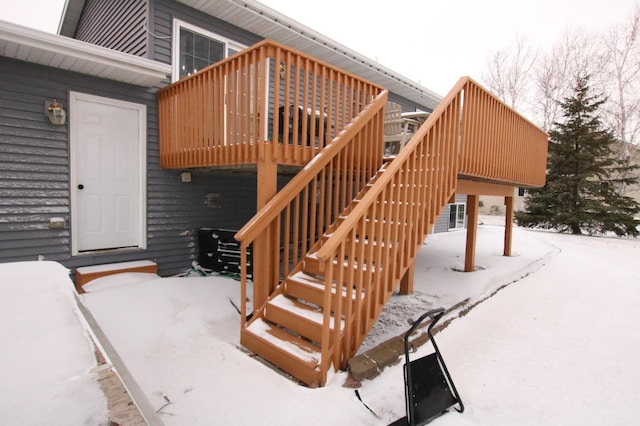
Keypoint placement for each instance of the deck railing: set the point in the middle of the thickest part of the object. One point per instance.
(268, 96)
(497, 143)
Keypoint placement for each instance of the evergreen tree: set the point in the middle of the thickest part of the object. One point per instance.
(584, 175)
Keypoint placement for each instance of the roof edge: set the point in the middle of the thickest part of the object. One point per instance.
(70, 17)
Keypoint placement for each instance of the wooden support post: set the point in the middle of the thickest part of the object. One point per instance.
(406, 283)
(472, 231)
(508, 225)
(263, 246)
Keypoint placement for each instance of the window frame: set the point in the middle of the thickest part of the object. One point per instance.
(175, 44)
(458, 224)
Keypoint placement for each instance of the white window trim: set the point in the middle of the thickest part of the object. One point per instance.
(74, 97)
(175, 44)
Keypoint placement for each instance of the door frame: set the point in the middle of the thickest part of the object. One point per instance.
(74, 98)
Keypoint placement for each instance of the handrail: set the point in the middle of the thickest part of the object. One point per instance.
(274, 207)
(361, 208)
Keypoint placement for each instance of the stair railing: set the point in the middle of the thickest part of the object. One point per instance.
(300, 213)
(471, 133)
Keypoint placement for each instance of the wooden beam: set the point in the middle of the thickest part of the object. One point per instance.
(263, 252)
(508, 225)
(472, 187)
(406, 283)
(472, 232)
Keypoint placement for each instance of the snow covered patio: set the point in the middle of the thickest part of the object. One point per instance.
(558, 346)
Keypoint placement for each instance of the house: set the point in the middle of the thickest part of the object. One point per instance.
(184, 115)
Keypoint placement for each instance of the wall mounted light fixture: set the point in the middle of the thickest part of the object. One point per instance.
(57, 115)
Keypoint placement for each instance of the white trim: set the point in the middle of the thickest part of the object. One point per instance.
(74, 97)
(175, 44)
(43, 48)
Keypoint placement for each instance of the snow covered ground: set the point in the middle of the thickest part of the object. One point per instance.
(46, 356)
(558, 345)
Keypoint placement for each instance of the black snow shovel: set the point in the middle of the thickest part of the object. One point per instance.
(429, 390)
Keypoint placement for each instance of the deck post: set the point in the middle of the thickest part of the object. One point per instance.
(406, 283)
(472, 232)
(508, 225)
(263, 246)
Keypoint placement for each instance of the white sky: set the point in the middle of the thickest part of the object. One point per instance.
(431, 42)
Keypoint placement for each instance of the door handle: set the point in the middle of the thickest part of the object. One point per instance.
(81, 186)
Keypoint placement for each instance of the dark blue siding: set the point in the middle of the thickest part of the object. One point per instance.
(116, 24)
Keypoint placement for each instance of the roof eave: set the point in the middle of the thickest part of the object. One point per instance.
(36, 46)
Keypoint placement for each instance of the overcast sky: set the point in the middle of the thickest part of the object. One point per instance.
(431, 42)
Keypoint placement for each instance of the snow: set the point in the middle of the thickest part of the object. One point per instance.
(552, 339)
(46, 356)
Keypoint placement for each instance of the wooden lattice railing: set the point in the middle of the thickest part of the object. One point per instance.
(268, 96)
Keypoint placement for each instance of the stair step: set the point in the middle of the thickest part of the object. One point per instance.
(305, 320)
(306, 287)
(312, 264)
(292, 354)
(310, 289)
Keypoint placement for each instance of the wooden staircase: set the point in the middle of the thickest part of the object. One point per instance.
(365, 218)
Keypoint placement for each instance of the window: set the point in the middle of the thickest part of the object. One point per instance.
(195, 49)
(456, 216)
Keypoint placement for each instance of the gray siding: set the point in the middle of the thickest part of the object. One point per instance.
(34, 177)
(116, 24)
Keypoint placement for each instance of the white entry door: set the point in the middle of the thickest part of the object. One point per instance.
(108, 173)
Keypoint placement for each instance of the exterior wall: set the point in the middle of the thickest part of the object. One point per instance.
(116, 24)
(34, 178)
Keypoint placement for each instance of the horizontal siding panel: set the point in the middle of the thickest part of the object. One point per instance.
(116, 24)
